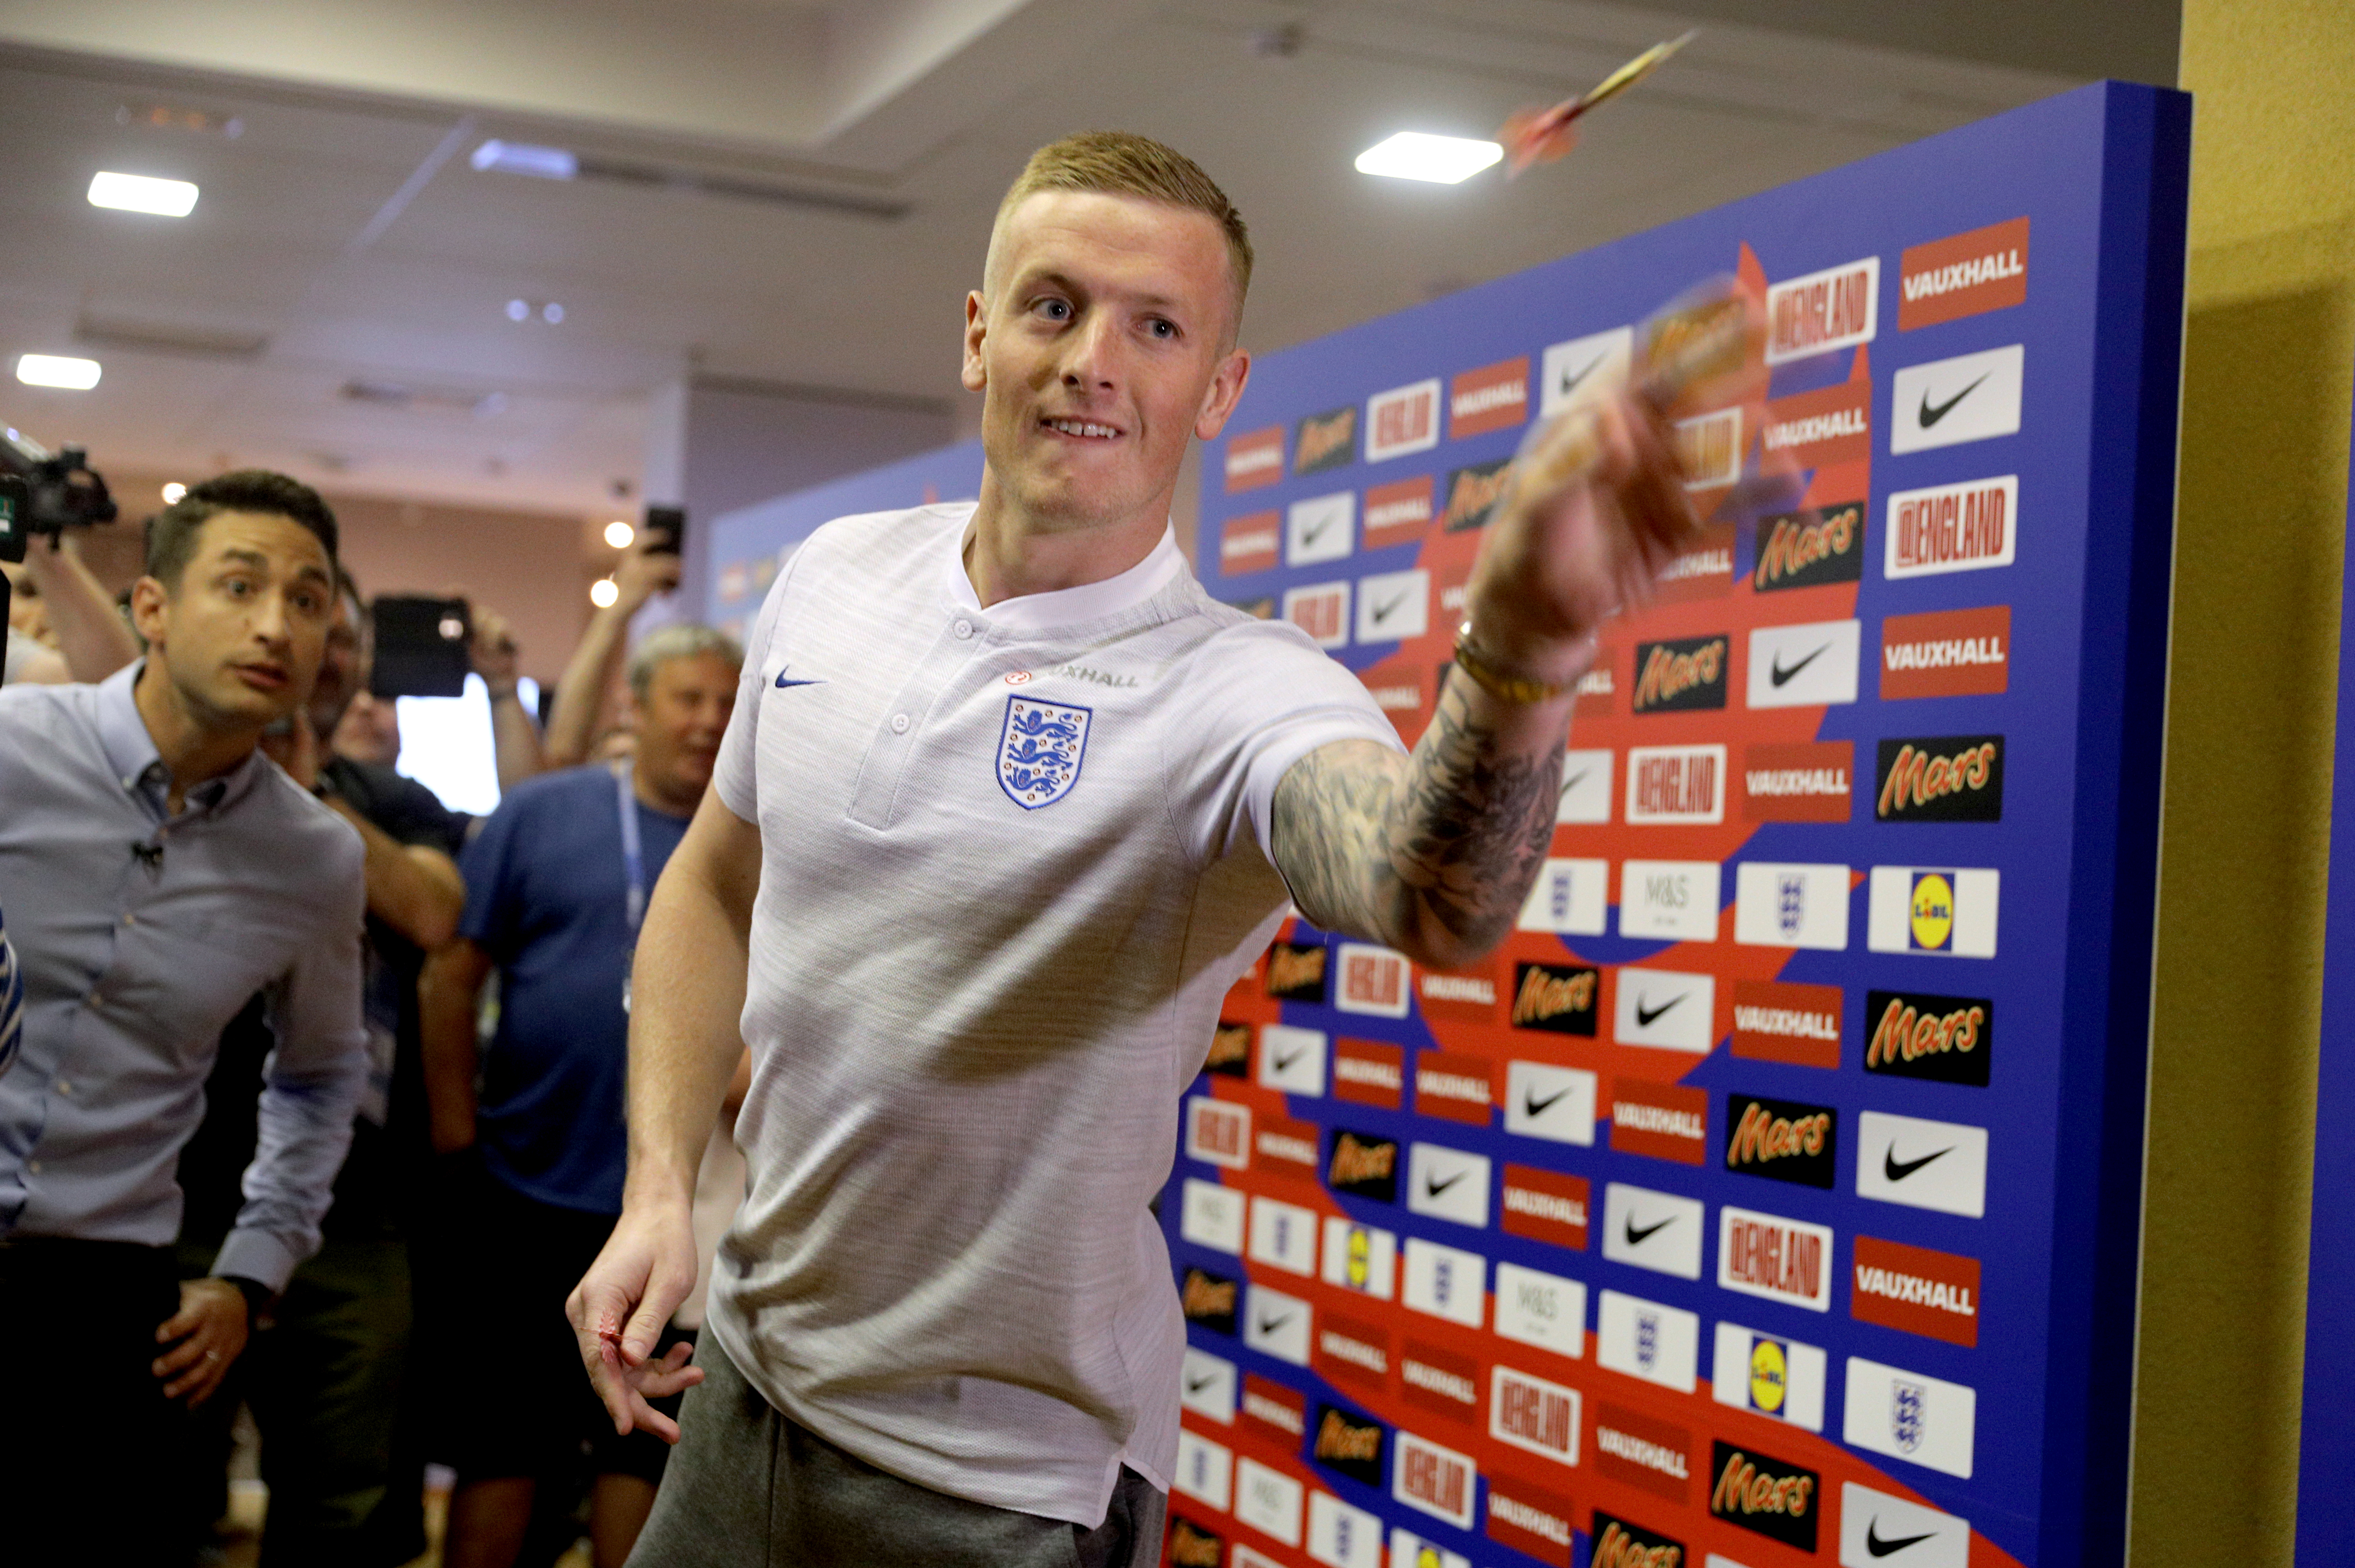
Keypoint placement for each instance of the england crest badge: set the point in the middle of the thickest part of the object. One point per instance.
(1040, 749)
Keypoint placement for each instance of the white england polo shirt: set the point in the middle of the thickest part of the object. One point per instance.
(1012, 860)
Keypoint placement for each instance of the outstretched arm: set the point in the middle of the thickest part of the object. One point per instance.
(1432, 853)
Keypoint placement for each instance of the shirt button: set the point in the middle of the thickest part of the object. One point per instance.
(963, 629)
(33, 1166)
(131, 920)
(899, 723)
(64, 1087)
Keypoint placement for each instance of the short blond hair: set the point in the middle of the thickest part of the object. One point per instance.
(1119, 163)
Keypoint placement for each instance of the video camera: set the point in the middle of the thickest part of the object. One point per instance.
(43, 492)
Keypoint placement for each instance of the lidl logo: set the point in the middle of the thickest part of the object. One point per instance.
(1770, 1375)
(1930, 913)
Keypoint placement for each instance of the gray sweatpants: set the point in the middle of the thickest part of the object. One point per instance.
(749, 1487)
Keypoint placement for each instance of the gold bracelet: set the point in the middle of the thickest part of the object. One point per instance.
(1495, 682)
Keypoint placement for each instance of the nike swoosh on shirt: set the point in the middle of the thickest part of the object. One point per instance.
(1431, 1188)
(1536, 1107)
(1636, 1238)
(1880, 1548)
(1643, 1015)
(1778, 675)
(783, 680)
(1896, 1169)
(1931, 416)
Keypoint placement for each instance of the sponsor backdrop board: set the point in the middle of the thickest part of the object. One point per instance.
(749, 545)
(2326, 1532)
(1772, 1197)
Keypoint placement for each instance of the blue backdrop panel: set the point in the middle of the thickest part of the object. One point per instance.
(2326, 1535)
(1773, 1197)
(749, 544)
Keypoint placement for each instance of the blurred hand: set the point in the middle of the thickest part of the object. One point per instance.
(297, 749)
(493, 653)
(643, 574)
(210, 1329)
(618, 1311)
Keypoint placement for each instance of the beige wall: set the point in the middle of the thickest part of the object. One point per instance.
(2271, 337)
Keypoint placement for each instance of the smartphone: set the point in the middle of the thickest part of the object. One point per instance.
(665, 528)
(421, 646)
(16, 516)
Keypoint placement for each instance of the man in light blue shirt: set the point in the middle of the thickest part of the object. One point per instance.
(157, 872)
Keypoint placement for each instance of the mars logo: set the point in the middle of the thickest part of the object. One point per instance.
(1323, 441)
(1949, 1040)
(1473, 494)
(1403, 419)
(1040, 749)
(1780, 1138)
(1555, 997)
(1805, 549)
(1255, 458)
(1680, 676)
(1955, 778)
(1618, 1544)
(1208, 1299)
(1365, 1167)
(1770, 1497)
(1229, 1050)
(1250, 543)
(1296, 971)
(1349, 1445)
(1835, 308)
(1963, 274)
(1191, 1546)
(1494, 396)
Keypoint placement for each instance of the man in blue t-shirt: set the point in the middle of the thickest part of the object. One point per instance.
(556, 882)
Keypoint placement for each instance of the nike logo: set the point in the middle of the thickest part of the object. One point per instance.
(1880, 1548)
(1196, 1385)
(1898, 1170)
(1643, 1015)
(1537, 1107)
(1432, 1189)
(1778, 675)
(1569, 382)
(1383, 612)
(1284, 1063)
(1309, 536)
(1574, 780)
(1270, 1325)
(1931, 416)
(1636, 1238)
(784, 680)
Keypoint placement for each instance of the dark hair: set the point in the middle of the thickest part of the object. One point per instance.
(172, 532)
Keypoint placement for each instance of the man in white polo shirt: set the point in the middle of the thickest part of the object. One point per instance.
(1007, 804)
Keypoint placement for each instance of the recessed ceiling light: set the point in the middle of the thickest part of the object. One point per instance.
(174, 491)
(552, 312)
(619, 534)
(518, 310)
(142, 192)
(523, 158)
(1416, 155)
(56, 370)
(604, 591)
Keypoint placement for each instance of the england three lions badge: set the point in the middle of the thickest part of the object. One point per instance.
(1040, 749)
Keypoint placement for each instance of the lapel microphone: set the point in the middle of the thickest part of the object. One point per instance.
(150, 856)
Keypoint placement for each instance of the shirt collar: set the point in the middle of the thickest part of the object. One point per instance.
(132, 756)
(1068, 606)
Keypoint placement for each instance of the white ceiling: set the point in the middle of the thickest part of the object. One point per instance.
(342, 239)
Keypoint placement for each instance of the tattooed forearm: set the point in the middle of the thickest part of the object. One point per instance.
(1433, 853)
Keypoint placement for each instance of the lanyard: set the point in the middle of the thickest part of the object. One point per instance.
(634, 860)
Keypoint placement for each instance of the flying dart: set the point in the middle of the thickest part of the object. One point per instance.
(1542, 136)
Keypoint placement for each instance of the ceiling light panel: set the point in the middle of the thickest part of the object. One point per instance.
(142, 192)
(1417, 156)
(56, 370)
(523, 158)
